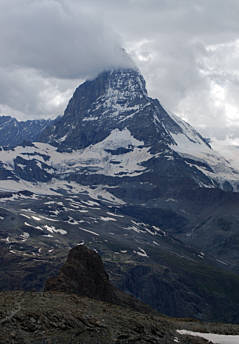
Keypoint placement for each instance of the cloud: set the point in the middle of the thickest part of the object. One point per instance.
(187, 50)
(47, 48)
(189, 53)
(26, 94)
(57, 40)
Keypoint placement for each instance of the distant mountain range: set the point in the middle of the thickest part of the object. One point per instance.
(140, 185)
(14, 132)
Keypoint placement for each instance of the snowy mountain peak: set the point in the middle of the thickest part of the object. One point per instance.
(97, 107)
(113, 90)
(112, 129)
(121, 84)
(128, 82)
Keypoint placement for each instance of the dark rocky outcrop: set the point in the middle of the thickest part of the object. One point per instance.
(83, 273)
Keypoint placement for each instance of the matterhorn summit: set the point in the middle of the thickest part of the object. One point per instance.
(113, 132)
(120, 131)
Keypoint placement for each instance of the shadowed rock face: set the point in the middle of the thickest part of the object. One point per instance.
(83, 273)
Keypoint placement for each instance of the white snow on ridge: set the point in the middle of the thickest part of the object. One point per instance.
(72, 221)
(99, 158)
(230, 150)
(28, 217)
(90, 119)
(24, 236)
(8, 156)
(54, 187)
(116, 98)
(21, 166)
(113, 214)
(88, 231)
(95, 158)
(52, 230)
(106, 219)
(89, 203)
(62, 138)
(141, 252)
(190, 145)
(38, 188)
(214, 338)
(36, 218)
(120, 138)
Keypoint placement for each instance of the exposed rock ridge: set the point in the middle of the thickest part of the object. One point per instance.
(83, 274)
(115, 99)
(14, 132)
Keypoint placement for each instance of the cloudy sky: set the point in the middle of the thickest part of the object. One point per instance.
(187, 50)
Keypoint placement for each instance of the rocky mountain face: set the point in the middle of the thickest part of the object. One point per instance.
(121, 174)
(13, 132)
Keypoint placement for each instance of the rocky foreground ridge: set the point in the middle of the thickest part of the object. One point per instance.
(63, 314)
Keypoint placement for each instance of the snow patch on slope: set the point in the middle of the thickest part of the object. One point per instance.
(99, 157)
(189, 144)
(56, 187)
(214, 338)
(96, 159)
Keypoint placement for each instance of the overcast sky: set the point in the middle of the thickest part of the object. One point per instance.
(187, 50)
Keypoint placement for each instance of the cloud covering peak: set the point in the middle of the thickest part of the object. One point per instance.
(188, 52)
(57, 40)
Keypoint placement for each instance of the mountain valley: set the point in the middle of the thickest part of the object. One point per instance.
(137, 184)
